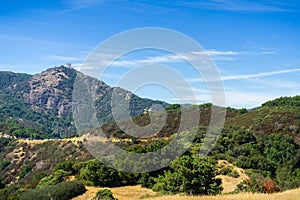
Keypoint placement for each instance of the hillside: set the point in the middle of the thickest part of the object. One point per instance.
(281, 115)
(22, 160)
(271, 161)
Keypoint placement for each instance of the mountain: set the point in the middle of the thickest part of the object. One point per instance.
(44, 101)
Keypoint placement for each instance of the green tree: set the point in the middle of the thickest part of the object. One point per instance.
(96, 173)
(190, 175)
(65, 166)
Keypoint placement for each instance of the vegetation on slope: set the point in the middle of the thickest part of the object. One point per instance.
(271, 161)
(278, 116)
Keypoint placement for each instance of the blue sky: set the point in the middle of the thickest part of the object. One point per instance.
(255, 44)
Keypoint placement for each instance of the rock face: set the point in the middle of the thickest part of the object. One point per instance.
(50, 91)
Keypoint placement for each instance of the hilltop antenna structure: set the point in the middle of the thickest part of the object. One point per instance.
(69, 65)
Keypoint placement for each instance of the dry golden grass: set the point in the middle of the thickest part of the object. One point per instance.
(136, 192)
(287, 195)
(34, 142)
(31, 142)
(121, 193)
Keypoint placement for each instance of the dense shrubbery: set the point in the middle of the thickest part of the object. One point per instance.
(8, 79)
(272, 157)
(96, 173)
(57, 177)
(284, 101)
(21, 131)
(10, 192)
(61, 191)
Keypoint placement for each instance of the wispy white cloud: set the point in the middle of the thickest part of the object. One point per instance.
(214, 54)
(62, 58)
(13, 68)
(25, 39)
(81, 4)
(225, 55)
(249, 76)
(239, 5)
(267, 52)
(279, 84)
(5, 67)
(258, 75)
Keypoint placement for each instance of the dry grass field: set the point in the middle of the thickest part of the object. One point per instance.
(137, 192)
(287, 195)
(121, 193)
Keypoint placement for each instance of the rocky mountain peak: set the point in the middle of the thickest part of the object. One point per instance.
(51, 91)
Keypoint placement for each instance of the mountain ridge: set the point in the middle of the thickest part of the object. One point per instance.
(49, 95)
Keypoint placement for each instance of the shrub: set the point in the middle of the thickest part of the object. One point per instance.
(25, 170)
(57, 177)
(61, 191)
(229, 171)
(104, 195)
(3, 164)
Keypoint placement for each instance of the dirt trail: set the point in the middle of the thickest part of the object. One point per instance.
(229, 184)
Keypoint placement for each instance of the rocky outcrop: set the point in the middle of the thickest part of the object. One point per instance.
(51, 91)
(47, 92)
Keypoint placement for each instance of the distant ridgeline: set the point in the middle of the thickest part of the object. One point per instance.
(284, 101)
(281, 115)
(40, 106)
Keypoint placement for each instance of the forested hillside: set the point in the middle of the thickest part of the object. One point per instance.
(281, 115)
